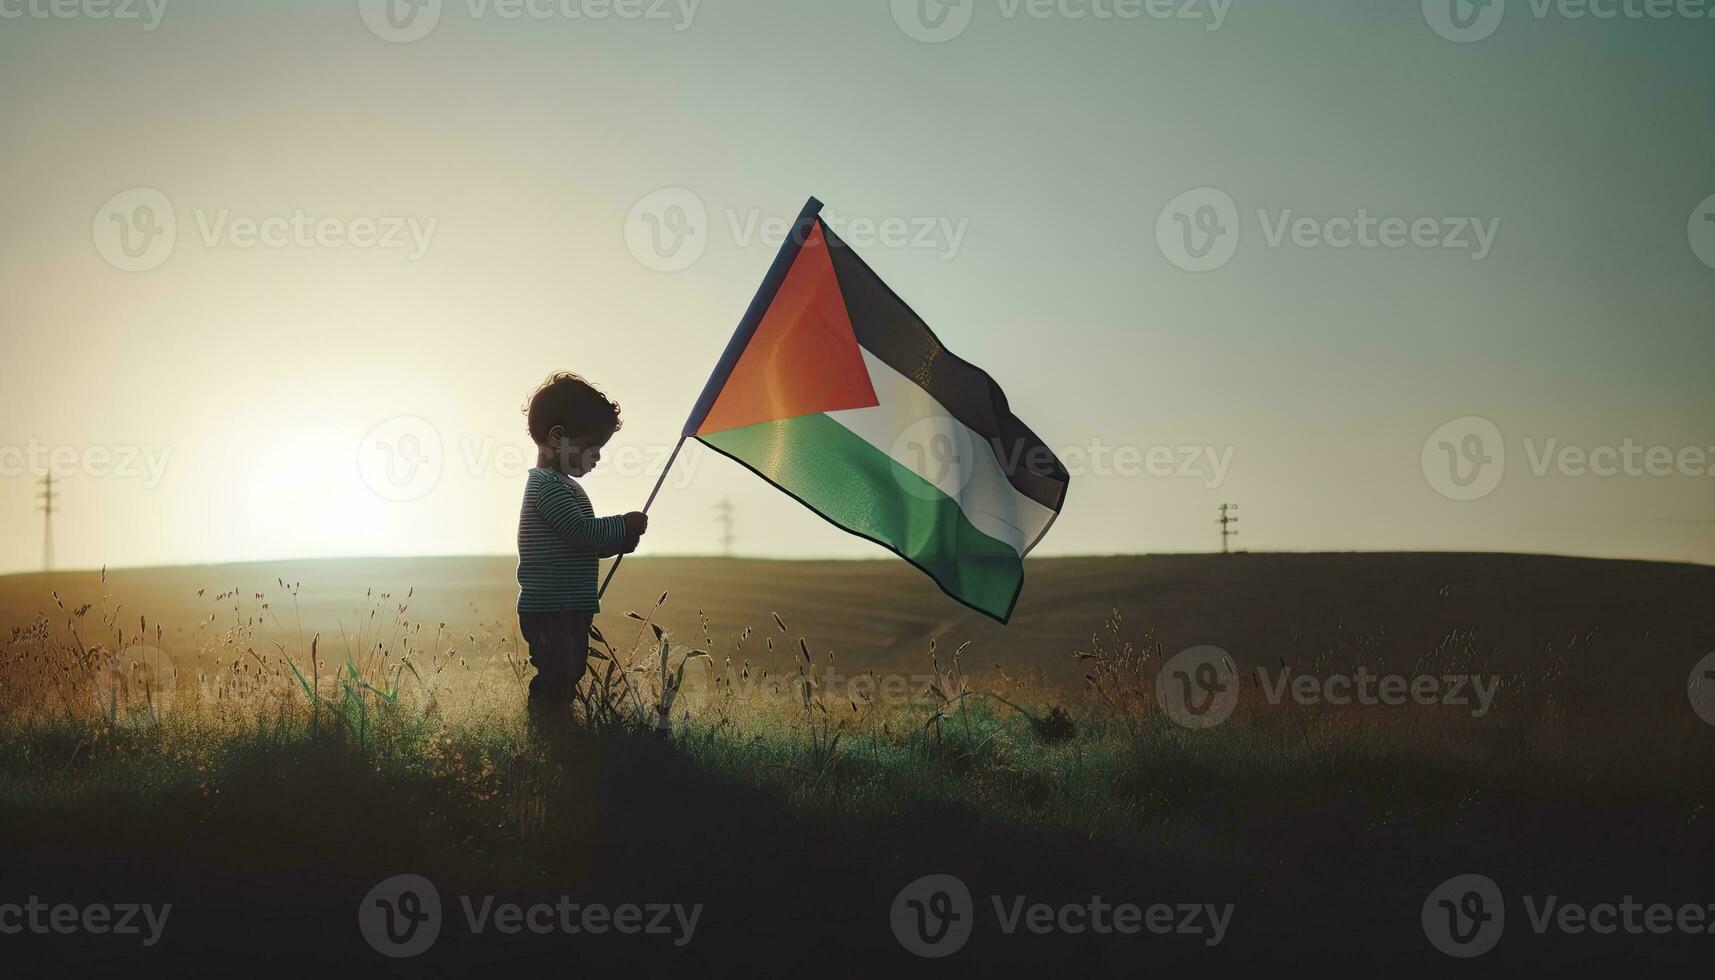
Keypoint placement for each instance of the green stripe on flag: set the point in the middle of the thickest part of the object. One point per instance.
(855, 485)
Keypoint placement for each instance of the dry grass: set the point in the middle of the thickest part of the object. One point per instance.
(85, 694)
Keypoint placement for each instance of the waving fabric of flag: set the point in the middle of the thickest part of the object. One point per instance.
(837, 393)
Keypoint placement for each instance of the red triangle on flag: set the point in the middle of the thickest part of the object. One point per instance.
(803, 357)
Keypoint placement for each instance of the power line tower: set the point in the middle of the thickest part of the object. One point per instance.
(724, 515)
(1227, 519)
(46, 496)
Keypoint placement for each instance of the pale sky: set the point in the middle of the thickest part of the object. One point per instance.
(229, 400)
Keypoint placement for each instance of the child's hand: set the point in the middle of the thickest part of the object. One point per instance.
(636, 523)
(629, 545)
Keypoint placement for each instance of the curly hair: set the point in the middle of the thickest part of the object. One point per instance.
(567, 399)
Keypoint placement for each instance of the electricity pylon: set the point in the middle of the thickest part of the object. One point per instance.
(724, 515)
(46, 496)
(1227, 520)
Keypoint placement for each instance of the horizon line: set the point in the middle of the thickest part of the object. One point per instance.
(82, 570)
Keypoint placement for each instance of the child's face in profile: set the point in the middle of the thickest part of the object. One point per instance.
(575, 455)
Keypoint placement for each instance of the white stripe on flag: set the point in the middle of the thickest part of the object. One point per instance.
(912, 428)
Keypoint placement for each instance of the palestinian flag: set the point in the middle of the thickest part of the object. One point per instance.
(836, 392)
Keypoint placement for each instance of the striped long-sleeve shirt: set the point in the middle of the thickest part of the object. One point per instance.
(560, 544)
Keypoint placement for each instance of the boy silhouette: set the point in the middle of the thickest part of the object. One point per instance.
(561, 541)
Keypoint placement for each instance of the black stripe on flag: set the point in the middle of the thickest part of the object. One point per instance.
(890, 330)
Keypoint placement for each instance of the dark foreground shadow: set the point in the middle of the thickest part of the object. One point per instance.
(272, 876)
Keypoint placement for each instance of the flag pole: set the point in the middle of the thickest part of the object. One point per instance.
(658, 482)
(741, 335)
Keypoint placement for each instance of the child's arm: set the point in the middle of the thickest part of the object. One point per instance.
(559, 506)
(625, 547)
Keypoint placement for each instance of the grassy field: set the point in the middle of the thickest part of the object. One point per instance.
(261, 744)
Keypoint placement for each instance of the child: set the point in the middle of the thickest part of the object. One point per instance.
(560, 540)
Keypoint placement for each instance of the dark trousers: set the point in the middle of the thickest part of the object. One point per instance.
(560, 651)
